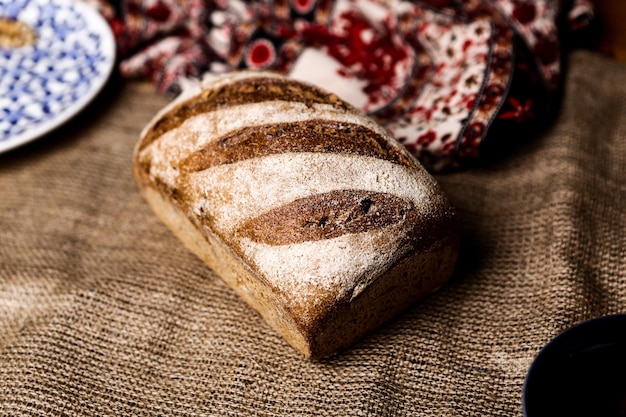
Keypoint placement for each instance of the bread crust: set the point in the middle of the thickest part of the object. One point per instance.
(326, 240)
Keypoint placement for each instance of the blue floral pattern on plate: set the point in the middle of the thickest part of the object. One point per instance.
(44, 84)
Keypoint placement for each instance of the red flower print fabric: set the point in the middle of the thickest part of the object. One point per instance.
(449, 79)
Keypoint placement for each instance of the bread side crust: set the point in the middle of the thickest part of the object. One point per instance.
(392, 293)
(232, 270)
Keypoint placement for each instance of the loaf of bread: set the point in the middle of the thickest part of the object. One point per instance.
(317, 218)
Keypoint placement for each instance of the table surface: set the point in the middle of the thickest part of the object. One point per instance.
(103, 311)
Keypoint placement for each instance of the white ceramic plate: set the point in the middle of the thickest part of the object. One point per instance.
(44, 84)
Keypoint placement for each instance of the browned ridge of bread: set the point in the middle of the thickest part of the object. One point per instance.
(320, 220)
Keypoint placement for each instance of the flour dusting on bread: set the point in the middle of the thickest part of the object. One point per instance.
(305, 206)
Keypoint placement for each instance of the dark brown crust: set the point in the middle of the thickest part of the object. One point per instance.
(244, 91)
(434, 239)
(326, 216)
(407, 281)
(317, 135)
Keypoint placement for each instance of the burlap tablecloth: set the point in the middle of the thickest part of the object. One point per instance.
(104, 312)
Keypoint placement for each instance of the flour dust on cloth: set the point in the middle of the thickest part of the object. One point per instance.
(447, 78)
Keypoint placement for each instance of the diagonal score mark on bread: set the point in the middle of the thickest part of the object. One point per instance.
(326, 216)
(257, 89)
(307, 208)
(268, 182)
(202, 129)
(314, 135)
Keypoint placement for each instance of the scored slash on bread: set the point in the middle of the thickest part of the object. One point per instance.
(319, 219)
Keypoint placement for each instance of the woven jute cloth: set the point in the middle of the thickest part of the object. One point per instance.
(104, 312)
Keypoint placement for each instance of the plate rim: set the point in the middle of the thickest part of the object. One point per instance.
(98, 24)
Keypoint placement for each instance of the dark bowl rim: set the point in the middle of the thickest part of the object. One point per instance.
(573, 338)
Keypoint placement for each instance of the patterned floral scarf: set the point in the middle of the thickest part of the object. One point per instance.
(450, 79)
